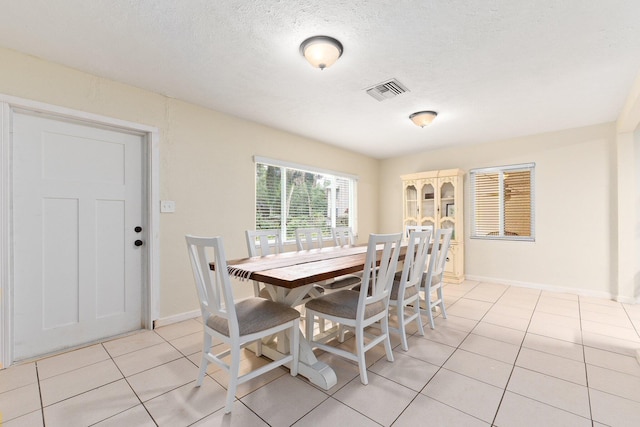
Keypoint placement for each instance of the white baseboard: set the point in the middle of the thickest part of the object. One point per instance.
(551, 288)
(176, 318)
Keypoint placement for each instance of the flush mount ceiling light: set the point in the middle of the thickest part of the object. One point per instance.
(423, 118)
(321, 51)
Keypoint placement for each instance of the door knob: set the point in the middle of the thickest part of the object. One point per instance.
(138, 243)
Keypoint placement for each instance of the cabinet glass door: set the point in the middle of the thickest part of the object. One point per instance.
(411, 203)
(427, 196)
(447, 207)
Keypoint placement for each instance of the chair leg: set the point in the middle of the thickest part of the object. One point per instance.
(416, 308)
(401, 326)
(429, 307)
(234, 370)
(294, 341)
(341, 332)
(206, 346)
(387, 340)
(430, 314)
(362, 363)
(441, 298)
(259, 347)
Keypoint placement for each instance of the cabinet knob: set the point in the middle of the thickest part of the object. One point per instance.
(138, 243)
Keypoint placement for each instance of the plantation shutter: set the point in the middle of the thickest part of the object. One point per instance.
(503, 202)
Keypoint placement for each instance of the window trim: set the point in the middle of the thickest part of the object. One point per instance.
(353, 212)
(501, 170)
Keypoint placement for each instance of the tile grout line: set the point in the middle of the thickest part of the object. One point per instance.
(584, 357)
(40, 394)
(513, 368)
(447, 359)
(493, 304)
(132, 390)
(237, 399)
(439, 368)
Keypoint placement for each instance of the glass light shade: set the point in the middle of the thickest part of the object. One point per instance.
(321, 51)
(423, 118)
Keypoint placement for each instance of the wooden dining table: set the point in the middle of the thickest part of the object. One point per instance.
(289, 277)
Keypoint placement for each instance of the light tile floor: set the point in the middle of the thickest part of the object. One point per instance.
(506, 356)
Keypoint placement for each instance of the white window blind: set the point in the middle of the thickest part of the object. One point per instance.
(503, 202)
(290, 196)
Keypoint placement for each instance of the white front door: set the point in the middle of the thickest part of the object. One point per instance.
(77, 199)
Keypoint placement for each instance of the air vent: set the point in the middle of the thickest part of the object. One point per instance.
(387, 90)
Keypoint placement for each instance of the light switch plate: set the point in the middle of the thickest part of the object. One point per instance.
(167, 206)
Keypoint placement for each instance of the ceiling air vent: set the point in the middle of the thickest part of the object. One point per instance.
(387, 90)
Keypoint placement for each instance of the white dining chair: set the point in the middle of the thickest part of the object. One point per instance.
(237, 324)
(405, 291)
(343, 236)
(262, 243)
(358, 310)
(309, 238)
(435, 272)
(409, 228)
(269, 242)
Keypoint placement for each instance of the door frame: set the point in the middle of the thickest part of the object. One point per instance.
(151, 200)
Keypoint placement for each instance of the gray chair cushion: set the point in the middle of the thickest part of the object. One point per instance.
(343, 304)
(347, 281)
(396, 288)
(255, 315)
(264, 293)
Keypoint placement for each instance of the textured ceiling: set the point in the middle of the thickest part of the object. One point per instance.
(492, 69)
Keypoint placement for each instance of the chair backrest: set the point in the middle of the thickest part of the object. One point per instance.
(439, 253)
(214, 287)
(343, 236)
(380, 266)
(409, 228)
(415, 260)
(309, 238)
(264, 242)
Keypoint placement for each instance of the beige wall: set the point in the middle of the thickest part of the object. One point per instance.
(575, 208)
(206, 166)
(206, 162)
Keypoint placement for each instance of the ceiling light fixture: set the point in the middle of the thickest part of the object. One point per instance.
(423, 118)
(321, 51)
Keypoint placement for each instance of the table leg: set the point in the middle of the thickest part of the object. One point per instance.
(319, 373)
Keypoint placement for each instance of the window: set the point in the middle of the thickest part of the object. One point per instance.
(503, 202)
(290, 196)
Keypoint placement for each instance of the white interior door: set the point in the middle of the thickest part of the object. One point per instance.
(77, 199)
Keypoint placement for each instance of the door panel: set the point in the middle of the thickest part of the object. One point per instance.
(77, 198)
(60, 282)
(110, 278)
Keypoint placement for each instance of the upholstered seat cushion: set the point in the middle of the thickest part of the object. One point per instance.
(343, 304)
(409, 292)
(255, 315)
(264, 293)
(343, 282)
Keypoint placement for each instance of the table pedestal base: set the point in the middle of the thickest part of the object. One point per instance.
(319, 373)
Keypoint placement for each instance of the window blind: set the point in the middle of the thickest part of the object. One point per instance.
(290, 197)
(503, 202)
